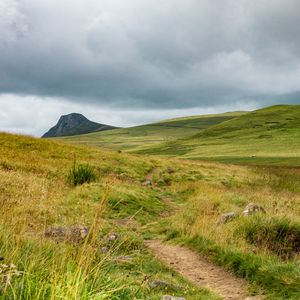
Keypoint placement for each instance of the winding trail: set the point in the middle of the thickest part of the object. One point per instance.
(150, 174)
(199, 270)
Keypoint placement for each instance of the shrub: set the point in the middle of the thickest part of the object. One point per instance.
(83, 173)
(279, 235)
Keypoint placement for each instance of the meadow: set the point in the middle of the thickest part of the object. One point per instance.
(132, 198)
(268, 136)
(142, 137)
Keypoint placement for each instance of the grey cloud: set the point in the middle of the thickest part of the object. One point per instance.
(151, 54)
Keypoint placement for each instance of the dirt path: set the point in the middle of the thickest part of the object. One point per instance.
(200, 271)
(150, 174)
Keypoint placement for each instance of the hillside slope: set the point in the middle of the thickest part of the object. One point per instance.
(142, 137)
(132, 199)
(74, 124)
(269, 135)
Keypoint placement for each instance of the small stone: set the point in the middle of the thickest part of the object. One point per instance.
(113, 236)
(78, 233)
(159, 284)
(104, 250)
(56, 232)
(227, 217)
(124, 258)
(168, 297)
(73, 234)
(147, 183)
(252, 209)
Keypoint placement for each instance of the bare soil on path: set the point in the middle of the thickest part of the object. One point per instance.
(199, 270)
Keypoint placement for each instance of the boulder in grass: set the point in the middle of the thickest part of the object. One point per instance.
(227, 217)
(73, 234)
(112, 237)
(253, 209)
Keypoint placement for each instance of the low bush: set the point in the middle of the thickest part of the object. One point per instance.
(278, 235)
(83, 173)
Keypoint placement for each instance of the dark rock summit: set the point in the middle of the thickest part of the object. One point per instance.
(74, 124)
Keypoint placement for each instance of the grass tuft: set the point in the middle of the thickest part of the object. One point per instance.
(278, 235)
(83, 173)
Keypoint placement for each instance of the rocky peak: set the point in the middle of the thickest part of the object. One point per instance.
(74, 124)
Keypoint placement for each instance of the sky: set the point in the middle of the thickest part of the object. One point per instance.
(129, 62)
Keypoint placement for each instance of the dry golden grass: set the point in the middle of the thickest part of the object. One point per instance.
(35, 194)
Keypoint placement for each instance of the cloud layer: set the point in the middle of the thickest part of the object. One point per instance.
(151, 54)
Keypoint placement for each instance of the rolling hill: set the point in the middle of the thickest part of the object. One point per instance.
(264, 136)
(90, 240)
(145, 136)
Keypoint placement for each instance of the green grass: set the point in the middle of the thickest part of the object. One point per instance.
(263, 137)
(81, 174)
(141, 137)
(278, 235)
(281, 280)
(268, 136)
(35, 195)
(183, 202)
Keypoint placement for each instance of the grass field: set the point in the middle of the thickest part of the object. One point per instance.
(142, 137)
(266, 136)
(269, 136)
(181, 204)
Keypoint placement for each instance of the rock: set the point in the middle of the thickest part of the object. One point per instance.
(227, 217)
(252, 209)
(74, 124)
(1, 258)
(56, 232)
(73, 234)
(104, 250)
(147, 183)
(167, 297)
(78, 233)
(112, 237)
(159, 284)
(123, 258)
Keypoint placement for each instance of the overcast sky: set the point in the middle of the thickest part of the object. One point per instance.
(127, 62)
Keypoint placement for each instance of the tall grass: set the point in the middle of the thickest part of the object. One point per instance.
(279, 235)
(35, 196)
(80, 174)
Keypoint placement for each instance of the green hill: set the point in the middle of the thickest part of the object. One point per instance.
(89, 241)
(142, 137)
(266, 136)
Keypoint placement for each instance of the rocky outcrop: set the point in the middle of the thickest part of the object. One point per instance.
(74, 124)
